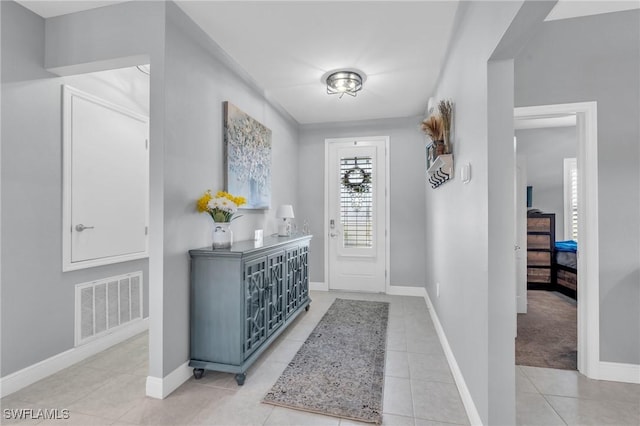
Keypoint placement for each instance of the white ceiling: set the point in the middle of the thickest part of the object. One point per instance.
(566, 9)
(287, 46)
(50, 8)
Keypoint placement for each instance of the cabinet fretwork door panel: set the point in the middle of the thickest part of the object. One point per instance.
(274, 292)
(303, 274)
(292, 281)
(255, 328)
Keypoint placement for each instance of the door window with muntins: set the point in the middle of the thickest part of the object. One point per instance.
(356, 202)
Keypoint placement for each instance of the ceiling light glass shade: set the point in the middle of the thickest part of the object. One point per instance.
(342, 82)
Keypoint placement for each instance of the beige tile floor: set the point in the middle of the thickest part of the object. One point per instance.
(550, 397)
(109, 388)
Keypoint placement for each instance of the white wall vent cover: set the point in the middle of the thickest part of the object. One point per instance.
(106, 305)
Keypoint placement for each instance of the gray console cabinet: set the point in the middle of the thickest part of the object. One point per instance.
(243, 298)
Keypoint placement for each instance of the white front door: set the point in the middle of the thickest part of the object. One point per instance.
(356, 191)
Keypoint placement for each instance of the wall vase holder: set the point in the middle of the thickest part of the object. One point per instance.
(441, 170)
(222, 235)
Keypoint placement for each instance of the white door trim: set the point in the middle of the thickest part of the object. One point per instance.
(68, 93)
(328, 141)
(588, 255)
(521, 234)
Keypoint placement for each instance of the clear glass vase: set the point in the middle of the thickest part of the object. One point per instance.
(447, 142)
(222, 235)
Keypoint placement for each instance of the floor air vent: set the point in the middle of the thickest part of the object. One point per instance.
(104, 305)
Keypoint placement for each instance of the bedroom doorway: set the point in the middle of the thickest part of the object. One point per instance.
(587, 306)
(546, 323)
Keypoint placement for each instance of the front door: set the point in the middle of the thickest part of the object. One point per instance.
(356, 190)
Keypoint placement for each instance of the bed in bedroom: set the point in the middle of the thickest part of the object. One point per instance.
(566, 265)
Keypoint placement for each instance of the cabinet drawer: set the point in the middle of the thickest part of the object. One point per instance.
(539, 224)
(539, 242)
(567, 279)
(538, 258)
(538, 275)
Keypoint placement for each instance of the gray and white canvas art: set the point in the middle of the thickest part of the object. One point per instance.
(248, 157)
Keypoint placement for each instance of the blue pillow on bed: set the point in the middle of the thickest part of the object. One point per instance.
(568, 245)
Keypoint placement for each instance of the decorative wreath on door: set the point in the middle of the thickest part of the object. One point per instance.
(357, 179)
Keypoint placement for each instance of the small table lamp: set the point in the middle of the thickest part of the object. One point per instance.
(285, 212)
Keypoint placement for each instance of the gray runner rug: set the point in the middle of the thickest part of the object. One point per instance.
(339, 370)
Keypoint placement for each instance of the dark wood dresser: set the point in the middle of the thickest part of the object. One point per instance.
(541, 237)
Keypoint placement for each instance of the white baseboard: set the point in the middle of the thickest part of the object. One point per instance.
(619, 372)
(394, 290)
(465, 395)
(28, 375)
(397, 290)
(318, 286)
(160, 388)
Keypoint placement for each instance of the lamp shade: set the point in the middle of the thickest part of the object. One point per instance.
(285, 211)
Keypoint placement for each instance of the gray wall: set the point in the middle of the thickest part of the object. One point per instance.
(596, 58)
(406, 177)
(545, 150)
(467, 241)
(125, 34)
(37, 297)
(190, 79)
(197, 83)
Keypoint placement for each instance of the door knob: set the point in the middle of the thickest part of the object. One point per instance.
(80, 227)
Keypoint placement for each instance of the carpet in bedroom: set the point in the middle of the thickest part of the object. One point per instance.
(547, 333)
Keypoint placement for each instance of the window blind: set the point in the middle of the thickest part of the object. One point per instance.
(571, 199)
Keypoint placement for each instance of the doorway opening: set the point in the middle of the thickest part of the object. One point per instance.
(105, 188)
(586, 184)
(545, 229)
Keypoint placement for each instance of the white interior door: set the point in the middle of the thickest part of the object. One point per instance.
(356, 190)
(521, 234)
(106, 182)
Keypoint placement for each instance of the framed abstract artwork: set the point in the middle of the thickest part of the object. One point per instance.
(247, 157)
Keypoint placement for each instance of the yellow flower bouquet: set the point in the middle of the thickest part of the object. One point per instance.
(220, 207)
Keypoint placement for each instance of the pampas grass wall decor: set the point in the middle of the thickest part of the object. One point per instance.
(445, 107)
(433, 127)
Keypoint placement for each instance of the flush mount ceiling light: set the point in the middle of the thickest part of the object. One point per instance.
(344, 81)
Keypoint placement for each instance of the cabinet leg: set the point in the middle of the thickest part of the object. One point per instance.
(240, 378)
(198, 373)
(307, 308)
